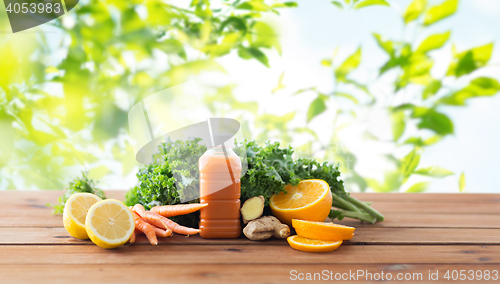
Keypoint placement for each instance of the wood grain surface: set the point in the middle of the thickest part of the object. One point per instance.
(421, 233)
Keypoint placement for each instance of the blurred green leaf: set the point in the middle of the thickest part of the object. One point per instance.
(367, 3)
(479, 87)
(432, 42)
(347, 96)
(252, 52)
(308, 131)
(435, 171)
(229, 41)
(254, 5)
(470, 60)
(417, 141)
(264, 36)
(280, 83)
(418, 187)
(409, 163)
(440, 12)
(386, 45)
(416, 71)
(172, 46)
(431, 89)
(358, 85)
(461, 182)
(279, 120)
(374, 184)
(414, 10)
(98, 172)
(392, 182)
(433, 120)
(236, 23)
(351, 63)
(398, 124)
(338, 4)
(285, 5)
(326, 62)
(316, 107)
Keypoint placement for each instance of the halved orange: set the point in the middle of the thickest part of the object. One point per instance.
(310, 200)
(322, 231)
(310, 245)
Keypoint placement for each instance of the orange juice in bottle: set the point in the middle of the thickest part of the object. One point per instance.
(220, 170)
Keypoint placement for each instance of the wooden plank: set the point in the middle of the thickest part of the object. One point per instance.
(408, 206)
(229, 273)
(392, 220)
(248, 254)
(28, 210)
(368, 236)
(40, 198)
(430, 197)
(37, 208)
(412, 220)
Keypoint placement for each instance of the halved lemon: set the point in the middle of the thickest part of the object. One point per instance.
(75, 212)
(310, 200)
(109, 223)
(310, 245)
(322, 231)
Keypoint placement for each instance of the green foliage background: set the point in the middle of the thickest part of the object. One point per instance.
(64, 99)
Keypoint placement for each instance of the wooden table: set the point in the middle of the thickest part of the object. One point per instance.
(422, 233)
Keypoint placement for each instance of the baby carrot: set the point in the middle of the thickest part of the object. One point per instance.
(163, 222)
(162, 233)
(176, 228)
(146, 228)
(153, 219)
(132, 238)
(176, 210)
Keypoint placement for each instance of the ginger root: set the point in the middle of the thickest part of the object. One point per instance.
(266, 227)
(252, 209)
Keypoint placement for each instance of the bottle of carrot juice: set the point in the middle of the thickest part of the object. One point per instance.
(220, 170)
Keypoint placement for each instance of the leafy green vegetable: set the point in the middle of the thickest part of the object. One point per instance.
(174, 161)
(83, 184)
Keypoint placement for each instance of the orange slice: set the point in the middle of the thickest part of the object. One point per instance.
(310, 200)
(310, 245)
(322, 231)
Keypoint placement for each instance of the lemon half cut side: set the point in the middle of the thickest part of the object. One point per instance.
(75, 212)
(109, 223)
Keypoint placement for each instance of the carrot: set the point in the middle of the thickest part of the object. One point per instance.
(146, 228)
(153, 219)
(132, 238)
(176, 228)
(163, 222)
(162, 233)
(176, 210)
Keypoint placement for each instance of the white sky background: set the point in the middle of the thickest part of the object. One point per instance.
(312, 31)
